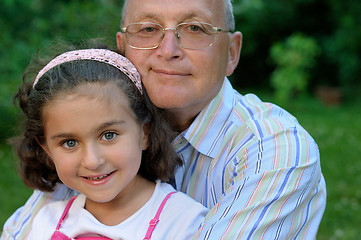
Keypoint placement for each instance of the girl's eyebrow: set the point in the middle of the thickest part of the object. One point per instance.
(111, 123)
(62, 135)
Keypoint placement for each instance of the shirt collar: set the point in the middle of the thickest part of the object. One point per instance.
(204, 132)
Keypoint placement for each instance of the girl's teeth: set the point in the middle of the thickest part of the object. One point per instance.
(97, 178)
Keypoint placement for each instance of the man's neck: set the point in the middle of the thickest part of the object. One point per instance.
(180, 122)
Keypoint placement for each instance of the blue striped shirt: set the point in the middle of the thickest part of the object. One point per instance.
(249, 162)
(254, 167)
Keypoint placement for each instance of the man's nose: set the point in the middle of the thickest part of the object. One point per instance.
(169, 48)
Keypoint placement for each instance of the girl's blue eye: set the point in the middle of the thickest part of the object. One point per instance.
(109, 136)
(70, 144)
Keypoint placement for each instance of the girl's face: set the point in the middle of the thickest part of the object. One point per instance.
(95, 142)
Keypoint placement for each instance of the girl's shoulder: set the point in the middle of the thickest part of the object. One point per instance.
(46, 220)
(179, 198)
(52, 211)
(181, 217)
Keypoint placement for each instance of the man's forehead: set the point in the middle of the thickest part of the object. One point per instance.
(178, 10)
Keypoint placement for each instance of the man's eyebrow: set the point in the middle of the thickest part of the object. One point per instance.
(141, 16)
(154, 16)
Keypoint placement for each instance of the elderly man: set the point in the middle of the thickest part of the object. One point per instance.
(251, 163)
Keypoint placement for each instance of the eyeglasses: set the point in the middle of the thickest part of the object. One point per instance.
(190, 35)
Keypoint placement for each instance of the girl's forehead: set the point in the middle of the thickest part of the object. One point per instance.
(110, 98)
(109, 92)
(106, 90)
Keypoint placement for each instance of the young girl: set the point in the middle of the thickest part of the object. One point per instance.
(90, 125)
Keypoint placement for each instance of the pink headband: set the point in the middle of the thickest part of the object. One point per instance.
(101, 55)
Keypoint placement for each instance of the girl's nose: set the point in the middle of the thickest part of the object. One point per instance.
(92, 157)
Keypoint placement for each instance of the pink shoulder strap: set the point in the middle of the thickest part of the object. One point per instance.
(155, 220)
(152, 223)
(66, 210)
(57, 235)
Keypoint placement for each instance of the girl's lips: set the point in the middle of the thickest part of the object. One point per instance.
(98, 179)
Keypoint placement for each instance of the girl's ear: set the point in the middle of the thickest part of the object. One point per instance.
(43, 146)
(145, 136)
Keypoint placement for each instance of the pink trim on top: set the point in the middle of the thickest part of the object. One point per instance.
(155, 220)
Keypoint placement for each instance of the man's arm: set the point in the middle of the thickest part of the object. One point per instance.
(276, 191)
(19, 224)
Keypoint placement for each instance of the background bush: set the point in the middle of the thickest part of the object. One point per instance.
(333, 24)
(294, 58)
(27, 26)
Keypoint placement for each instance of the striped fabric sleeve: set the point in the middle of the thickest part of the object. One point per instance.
(273, 189)
(19, 224)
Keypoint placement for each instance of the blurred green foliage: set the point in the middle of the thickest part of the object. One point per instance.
(27, 26)
(333, 24)
(294, 58)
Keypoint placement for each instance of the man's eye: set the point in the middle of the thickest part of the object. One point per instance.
(194, 28)
(70, 144)
(148, 29)
(109, 136)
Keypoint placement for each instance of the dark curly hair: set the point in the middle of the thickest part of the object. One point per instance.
(159, 161)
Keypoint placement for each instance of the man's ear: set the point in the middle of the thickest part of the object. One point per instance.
(121, 41)
(235, 47)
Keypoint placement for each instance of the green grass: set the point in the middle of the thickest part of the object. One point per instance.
(337, 130)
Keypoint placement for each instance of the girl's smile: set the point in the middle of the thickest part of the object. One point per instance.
(99, 179)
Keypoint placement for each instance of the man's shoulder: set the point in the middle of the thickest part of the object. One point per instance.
(252, 120)
(262, 118)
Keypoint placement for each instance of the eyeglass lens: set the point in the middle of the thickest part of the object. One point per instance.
(189, 35)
